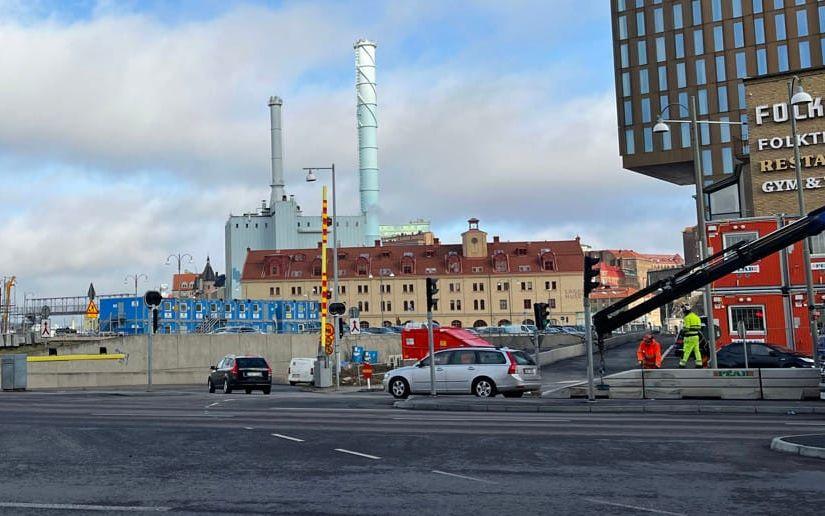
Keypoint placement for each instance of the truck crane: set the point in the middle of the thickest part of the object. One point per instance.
(699, 274)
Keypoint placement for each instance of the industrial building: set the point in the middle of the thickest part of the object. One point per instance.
(130, 316)
(482, 281)
(281, 224)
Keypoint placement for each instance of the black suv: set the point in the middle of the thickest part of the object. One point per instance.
(241, 372)
(761, 355)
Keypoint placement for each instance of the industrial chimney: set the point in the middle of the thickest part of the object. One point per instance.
(277, 150)
(367, 113)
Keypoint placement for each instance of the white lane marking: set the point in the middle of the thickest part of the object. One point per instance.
(288, 438)
(81, 507)
(248, 428)
(634, 507)
(212, 405)
(668, 350)
(465, 477)
(569, 381)
(367, 456)
(483, 419)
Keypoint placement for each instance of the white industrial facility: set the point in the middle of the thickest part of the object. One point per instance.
(281, 224)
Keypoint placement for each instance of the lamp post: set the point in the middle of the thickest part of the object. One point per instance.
(310, 179)
(798, 97)
(662, 127)
(179, 257)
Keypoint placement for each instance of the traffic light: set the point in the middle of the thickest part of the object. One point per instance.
(542, 312)
(591, 274)
(341, 328)
(432, 290)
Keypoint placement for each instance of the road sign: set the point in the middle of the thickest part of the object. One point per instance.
(328, 348)
(91, 293)
(337, 308)
(45, 331)
(354, 326)
(329, 329)
(45, 312)
(152, 298)
(92, 311)
(367, 371)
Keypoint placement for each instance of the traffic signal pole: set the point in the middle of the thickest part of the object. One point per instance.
(432, 290)
(588, 336)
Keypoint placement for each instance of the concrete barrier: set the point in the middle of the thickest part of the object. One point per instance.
(183, 359)
(579, 349)
(730, 384)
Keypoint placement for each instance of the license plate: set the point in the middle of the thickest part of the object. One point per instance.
(254, 373)
(529, 370)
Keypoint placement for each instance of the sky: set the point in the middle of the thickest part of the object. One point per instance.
(130, 130)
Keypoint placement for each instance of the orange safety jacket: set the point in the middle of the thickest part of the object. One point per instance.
(650, 354)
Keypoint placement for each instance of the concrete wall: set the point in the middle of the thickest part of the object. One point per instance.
(182, 359)
(578, 349)
(525, 342)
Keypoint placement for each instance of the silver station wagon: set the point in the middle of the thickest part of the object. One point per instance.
(484, 372)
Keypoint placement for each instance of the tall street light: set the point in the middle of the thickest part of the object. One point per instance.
(798, 97)
(310, 179)
(662, 127)
(179, 258)
(135, 278)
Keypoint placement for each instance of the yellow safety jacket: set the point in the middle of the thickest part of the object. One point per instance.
(692, 325)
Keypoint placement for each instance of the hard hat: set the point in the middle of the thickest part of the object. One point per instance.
(686, 307)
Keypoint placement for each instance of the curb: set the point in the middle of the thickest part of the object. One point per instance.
(781, 445)
(681, 408)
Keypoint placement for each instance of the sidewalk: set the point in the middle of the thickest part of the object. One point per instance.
(812, 445)
(470, 404)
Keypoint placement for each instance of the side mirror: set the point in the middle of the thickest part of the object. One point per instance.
(213, 368)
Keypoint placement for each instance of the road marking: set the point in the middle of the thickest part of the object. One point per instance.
(484, 419)
(248, 428)
(569, 381)
(634, 507)
(81, 507)
(373, 457)
(668, 350)
(212, 405)
(465, 477)
(288, 438)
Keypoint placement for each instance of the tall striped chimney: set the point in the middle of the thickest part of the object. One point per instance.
(367, 118)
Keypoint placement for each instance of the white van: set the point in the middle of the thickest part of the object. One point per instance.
(301, 370)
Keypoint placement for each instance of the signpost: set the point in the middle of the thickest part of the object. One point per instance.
(366, 370)
(329, 331)
(152, 298)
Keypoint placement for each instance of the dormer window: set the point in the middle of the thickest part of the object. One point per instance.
(521, 251)
(547, 261)
(407, 265)
(500, 262)
(362, 266)
(275, 270)
(316, 267)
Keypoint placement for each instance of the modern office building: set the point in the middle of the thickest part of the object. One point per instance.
(667, 51)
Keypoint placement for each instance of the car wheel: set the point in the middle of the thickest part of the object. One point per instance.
(399, 388)
(292, 383)
(512, 394)
(248, 391)
(227, 389)
(484, 387)
(267, 390)
(211, 385)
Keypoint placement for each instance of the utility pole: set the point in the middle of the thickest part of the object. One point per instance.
(591, 275)
(179, 257)
(432, 290)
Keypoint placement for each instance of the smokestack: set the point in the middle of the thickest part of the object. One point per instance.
(367, 112)
(277, 149)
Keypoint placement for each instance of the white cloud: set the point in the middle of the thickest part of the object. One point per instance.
(160, 130)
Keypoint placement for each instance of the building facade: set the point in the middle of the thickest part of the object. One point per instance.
(628, 268)
(668, 51)
(482, 282)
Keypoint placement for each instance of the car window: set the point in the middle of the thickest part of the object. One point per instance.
(252, 362)
(220, 363)
(464, 357)
(491, 357)
(425, 362)
(522, 358)
(443, 358)
(733, 351)
(758, 350)
(229, 363)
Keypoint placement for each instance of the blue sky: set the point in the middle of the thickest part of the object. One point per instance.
(130, 130)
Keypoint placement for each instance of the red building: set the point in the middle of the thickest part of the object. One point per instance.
(768, 296)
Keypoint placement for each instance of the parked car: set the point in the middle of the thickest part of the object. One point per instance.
(301, 370)
(235, 329)
(377, 330)
(483, 371)
(761, 355)
(247, 372)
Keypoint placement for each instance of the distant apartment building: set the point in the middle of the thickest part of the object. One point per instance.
(482, 282)
(628, 268)
(206, 285)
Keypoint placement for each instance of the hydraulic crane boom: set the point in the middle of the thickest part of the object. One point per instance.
(700, 274)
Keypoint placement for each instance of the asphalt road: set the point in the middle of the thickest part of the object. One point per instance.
(620, 358)
(300, 452)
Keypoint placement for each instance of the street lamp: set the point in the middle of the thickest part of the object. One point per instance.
(381, 292)
(311, 178)
(661, 126)
(135, 278)
(179, 258)
(799, 97)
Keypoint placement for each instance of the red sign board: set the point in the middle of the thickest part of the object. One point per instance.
(367, 371)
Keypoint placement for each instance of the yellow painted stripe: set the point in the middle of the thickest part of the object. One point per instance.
(68, 358)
